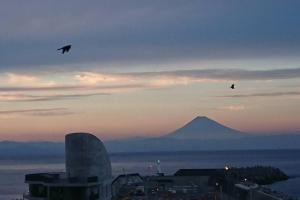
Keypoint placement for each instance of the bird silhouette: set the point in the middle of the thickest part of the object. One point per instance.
(65, 49)
(232, 86)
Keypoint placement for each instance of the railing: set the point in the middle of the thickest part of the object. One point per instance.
(28, 197)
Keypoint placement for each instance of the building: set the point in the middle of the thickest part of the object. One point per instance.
(251, 191)
(87, 177)
(184, 184)
(128, 185)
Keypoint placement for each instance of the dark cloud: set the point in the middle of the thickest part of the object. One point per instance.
(27, 97)
(144, 32)
(70, 88)
(39, 112)
(228, 74)
(271, 94)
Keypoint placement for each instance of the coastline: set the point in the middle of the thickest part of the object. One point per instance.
(12, 171)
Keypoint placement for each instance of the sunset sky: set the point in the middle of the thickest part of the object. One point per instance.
(145, 68)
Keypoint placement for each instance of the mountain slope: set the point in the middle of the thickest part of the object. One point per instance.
(201, 134)
(205, 129)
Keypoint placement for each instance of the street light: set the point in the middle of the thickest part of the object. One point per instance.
(220, 191)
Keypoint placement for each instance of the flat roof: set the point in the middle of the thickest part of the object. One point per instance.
(199, 172)
(60, 179)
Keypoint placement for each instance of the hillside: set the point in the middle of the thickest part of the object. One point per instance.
(200, 134)
(205, 129)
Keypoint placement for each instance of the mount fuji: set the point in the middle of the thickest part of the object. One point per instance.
(203, 128)
(200, 134)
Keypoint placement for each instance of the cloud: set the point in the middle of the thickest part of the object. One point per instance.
(152, 80)
(14, 79)
(271, 94)
(224, 74)
(70, 88)
(78, 82)
(125, 32)
(54, 97)
(36, 112)
(21, 79)
(22, 88)
(89, 78)
(232, 108)
(160, 79)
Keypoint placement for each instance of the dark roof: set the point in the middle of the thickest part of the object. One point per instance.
(43, 177)
(164, 180)
(127, 175)
(199, 172)
(57, 177)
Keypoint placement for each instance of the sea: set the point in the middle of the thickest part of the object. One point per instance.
(12, 171)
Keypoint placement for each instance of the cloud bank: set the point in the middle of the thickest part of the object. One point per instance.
(20, 87)
(142, 32)
(270, 94)
(36, 112)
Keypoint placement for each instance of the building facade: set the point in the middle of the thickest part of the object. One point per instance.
(87, 177)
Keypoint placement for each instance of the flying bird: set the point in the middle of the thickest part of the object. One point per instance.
(232, 86)
(65, 49)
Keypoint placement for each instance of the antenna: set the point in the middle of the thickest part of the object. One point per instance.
(158, 167)
(150, 168)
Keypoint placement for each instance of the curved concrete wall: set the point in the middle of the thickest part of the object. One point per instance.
(86, 156)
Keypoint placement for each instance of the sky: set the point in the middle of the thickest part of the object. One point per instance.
(142, 68)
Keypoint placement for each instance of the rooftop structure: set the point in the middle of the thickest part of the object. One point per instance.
(200, 172)
(86, 156)
(126, 184)
(88, 173)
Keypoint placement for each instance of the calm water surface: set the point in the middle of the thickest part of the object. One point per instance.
(12, 171)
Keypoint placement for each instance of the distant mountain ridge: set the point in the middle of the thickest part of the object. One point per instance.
(13, 149)
(200, 134)
(204, 128)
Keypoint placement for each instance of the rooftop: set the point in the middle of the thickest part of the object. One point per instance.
(60, 179)
(199, 172)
